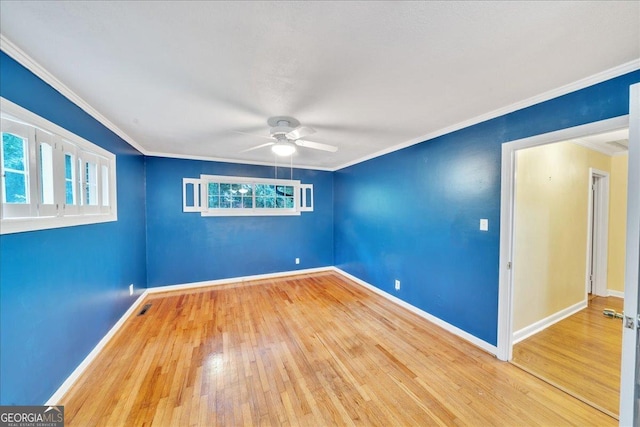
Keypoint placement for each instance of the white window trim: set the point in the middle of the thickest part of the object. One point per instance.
(199, 189)
(63, 217)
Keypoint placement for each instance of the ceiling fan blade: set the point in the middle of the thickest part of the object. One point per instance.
(252, 134)
(257, 147)
(316, 145)
(300, 132)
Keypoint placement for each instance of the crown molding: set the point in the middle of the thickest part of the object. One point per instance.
(32, 65)
(546, 96)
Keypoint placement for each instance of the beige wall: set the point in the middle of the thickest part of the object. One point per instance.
(617, 222)
(552, 190)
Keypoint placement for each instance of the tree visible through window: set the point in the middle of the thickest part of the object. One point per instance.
(69, 179)
(241, 196)
(14, 150)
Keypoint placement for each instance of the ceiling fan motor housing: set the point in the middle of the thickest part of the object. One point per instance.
(281, 125)
(280, 130)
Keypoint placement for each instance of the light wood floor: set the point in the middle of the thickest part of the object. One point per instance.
(312, 350)
(581, 354)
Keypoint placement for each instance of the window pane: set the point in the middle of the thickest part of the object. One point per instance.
(105, 185)
(68, 170)
(225, 202)
(212, 191)
(91, 183)
(69, 179)
(265, 202)
(288, 203)
(265, 190)
(265, 196)
(46, 174)
(281, 202)
(284, 190)
(227, 192)
(227, 195)
(246, 190)
(14, 151)
(15, 187)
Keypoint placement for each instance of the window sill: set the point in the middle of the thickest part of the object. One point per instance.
(21, 225)
(250, 212)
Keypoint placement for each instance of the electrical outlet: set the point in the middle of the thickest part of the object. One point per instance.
(397, 285)
(297, 260)
(131, 289)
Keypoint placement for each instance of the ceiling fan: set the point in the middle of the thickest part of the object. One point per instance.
(287, 134)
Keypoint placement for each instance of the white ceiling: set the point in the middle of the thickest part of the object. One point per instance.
(180, 78)
(611, 143)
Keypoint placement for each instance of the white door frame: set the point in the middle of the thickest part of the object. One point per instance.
(598, 207)
(629, 395)
(507, 205)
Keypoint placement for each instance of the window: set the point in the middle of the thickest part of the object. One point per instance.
(229, 195)
(17, 195)
(16, 174)
(51, 177)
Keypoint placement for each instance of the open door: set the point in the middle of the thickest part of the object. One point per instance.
(630, 378)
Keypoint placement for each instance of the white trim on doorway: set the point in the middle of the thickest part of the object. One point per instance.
(597, 233)
(507, 206)
(629, 389)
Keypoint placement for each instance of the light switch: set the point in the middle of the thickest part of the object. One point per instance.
(484, 224)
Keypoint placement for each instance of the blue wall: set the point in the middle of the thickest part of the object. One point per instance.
(414, 214)
(186, 247)
(61, 290)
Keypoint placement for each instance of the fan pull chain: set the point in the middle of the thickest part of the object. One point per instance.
(275, 167)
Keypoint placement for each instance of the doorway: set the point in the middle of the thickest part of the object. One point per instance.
(594, 269)
(598, 233)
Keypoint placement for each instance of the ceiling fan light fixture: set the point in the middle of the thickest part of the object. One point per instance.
(283, 148)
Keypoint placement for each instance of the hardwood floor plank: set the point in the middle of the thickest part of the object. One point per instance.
(308, 350)
(580, 354)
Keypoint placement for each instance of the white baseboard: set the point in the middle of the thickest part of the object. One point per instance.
(538, 326)
(617, 294)
(204, 284)
(431, 318)
(66, 385)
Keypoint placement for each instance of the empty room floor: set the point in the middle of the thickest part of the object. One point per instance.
(304, 350)
(580, 354)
